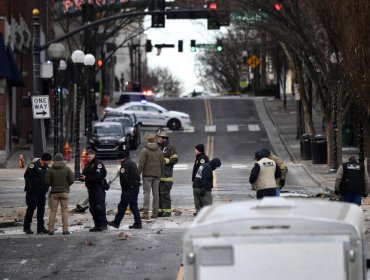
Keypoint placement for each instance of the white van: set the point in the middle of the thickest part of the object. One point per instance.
(276, 238)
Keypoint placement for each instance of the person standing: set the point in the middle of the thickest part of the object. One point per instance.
(36, 189)
(283, 167)
(151, 167)
(94, 175)
(203, 184)
(200, 159)
(60, 177)
(352, 181)
(130, 183)
(264, 175)
(166, 182)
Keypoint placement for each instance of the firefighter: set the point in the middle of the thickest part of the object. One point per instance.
(93, 175)
(36, 189)
(166, 182)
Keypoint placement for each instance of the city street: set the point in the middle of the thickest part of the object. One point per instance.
(230, 128)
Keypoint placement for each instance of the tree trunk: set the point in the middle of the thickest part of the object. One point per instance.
(329, 137)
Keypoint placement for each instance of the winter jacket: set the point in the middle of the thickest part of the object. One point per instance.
(129, 175)
(60, 177)
(352, 177)
(170, 159)
(264, 174)
(283, 167)
(200, 159)
(95, 173)
(151, 161)
(35, 178)
(204, 177)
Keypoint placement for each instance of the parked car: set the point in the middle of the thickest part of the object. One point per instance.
(151, 114)
(120, 98)
(108, 138)
(132, 130)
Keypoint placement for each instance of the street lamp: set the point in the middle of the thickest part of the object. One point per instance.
(56, 53)
(334, 163)
(78, 58)
(62, 67)
(89, 63)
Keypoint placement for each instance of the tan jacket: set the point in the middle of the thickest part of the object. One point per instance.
(151, 161)
(266, 176)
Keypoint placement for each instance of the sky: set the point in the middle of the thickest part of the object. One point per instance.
(181, 65)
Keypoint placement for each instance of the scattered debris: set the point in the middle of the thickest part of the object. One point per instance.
(177, 212)
(90, 243)
(111, 212)
(123, 236)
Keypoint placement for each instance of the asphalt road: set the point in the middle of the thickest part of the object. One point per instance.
(230, 128)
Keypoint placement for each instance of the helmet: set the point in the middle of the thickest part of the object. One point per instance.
(162, 134)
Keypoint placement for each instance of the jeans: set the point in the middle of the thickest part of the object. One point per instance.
(55, 199)
(352, 198)
(267, 192)
(151, 184)
(128, 198)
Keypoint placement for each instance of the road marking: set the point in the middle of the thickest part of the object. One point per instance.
(239, 166)
(210, 128)
(180, 167)
(180, 274)
(207, 107)
(189, 129)
(210, 146)
(254, 127)
(23, 262)
(232, 127)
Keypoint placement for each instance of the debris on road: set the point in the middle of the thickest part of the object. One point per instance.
(123, 236)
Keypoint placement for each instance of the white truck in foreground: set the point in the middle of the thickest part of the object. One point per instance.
(277, 238)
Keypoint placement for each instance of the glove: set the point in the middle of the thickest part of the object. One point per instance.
(282, 183)
(109, 182)
(336, 192)
(202, 192)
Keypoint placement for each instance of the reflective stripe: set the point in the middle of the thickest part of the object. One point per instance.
(166, 179)
(174, 156)
(167, 210)
(167, 160)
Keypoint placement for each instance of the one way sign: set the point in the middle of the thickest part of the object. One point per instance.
(40, 107)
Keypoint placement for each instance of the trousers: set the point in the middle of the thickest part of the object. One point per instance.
(165, 196)
(97, 206)
(151, 185)
(128, 198)
(55, 199)
(34, 201)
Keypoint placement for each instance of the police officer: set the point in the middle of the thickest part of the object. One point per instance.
(94, 175)
(130, 183)
(264, 175)
(352, 181)
(200, 159)
(36, 189)
(166, 182)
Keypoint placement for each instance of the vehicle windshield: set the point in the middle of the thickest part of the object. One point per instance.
(108, 130)
(124, 122)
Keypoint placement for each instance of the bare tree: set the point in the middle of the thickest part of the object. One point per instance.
(164, 82)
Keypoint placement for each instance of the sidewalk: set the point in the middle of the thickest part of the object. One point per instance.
(285, 123)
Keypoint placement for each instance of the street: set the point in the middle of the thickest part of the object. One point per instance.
(230, 128)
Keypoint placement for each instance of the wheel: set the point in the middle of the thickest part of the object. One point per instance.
(174, 124)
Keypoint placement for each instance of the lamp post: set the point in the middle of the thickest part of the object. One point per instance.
(56, 53)
(78, 58)
(89, 64)
(334, 163)
(62, 67)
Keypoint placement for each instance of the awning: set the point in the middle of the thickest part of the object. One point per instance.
(8, 66)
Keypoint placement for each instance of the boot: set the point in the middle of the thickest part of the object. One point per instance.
(135, 226)
(145, 216)
(166, 214)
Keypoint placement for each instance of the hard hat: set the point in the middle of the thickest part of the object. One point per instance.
(163, 134)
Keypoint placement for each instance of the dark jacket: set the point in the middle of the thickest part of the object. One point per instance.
(129, 174)
(200, 159)
(204, 177)
(170, 159)
(352, 177)
(151, 161)
(35, 178)
(59, 177)
(95, 173)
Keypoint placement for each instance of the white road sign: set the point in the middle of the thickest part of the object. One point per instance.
(41, 107)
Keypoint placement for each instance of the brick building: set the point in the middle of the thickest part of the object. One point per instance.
(16, 70)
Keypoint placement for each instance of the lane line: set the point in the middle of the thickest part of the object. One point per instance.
(180, 274)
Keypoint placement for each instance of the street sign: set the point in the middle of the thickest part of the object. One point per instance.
(40, 107)
(253, 61)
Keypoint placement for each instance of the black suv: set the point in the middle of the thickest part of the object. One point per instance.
(108, 139)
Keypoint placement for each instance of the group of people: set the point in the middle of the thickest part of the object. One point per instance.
(155, 167)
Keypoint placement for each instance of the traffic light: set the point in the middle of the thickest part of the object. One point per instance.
(212, 20)
(100, 63)
(180, 46)
(219, 46)
(148, 46)
(157, 5)
(193, 46)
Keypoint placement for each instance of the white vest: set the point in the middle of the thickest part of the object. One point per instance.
(266, 177)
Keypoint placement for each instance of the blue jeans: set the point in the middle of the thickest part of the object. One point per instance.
(352, 198)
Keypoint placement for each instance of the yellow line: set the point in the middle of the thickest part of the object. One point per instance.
(206, 110)
(208, 145)
(210, 112)
(180, 274)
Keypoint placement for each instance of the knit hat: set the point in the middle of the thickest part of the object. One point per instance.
(46, 157)
(258, 155)
(266, 152)
(200, 148)
(58, 157)
(122, 155)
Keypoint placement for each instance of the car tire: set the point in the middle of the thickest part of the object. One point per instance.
(174, 124)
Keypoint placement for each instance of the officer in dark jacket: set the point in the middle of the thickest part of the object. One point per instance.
(130, 183)
(200, 159)
(94, 175)
(352, 181)
(203, 184)
(36, 189)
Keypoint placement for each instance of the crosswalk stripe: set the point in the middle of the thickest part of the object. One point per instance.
(210, 128)
(181, 167)
(232, 127)
(239, 166)
(254, 127)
